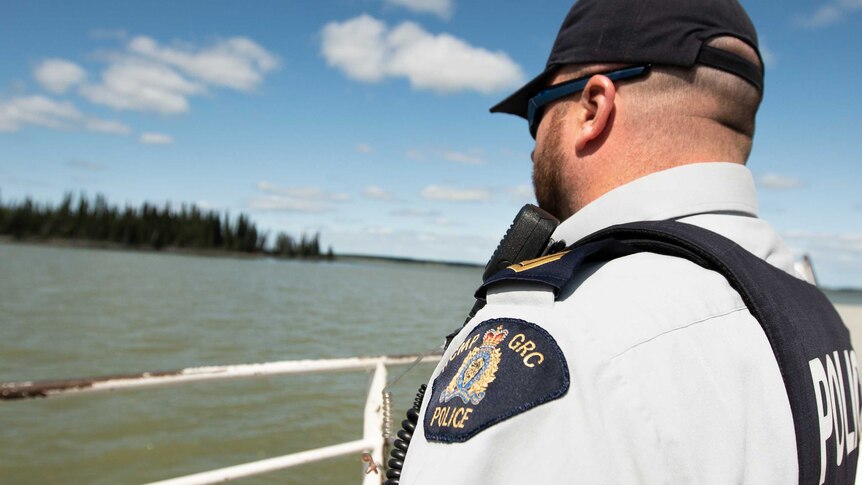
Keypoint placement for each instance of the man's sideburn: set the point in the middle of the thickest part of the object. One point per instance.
(548, 167)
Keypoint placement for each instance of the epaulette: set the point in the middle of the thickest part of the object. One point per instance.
(557, 269)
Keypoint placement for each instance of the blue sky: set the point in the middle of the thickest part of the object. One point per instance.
(367, 120)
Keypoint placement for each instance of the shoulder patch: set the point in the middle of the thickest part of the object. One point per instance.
(556, 270)
(504, 367)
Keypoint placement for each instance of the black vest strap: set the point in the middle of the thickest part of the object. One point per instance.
(807, 336)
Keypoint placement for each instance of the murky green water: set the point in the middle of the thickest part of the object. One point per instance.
(72, 312)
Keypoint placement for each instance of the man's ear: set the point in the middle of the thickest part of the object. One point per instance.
(597, 103)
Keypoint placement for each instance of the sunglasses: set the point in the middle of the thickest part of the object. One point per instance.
(536, 105)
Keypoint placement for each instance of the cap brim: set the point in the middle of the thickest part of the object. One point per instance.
(516, 103)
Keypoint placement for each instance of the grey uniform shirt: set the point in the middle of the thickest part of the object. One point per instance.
(671, 378)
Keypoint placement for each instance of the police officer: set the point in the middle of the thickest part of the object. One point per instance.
(645, 367)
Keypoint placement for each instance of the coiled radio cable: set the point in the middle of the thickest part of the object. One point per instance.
(399, 448)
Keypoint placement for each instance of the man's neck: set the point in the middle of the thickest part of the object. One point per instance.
(600, 175)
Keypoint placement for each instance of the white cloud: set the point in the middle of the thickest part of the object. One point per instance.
(365, 49)
(107, 126)
(58, 75)
(207, 205)
(287, 204)
(238, 63)
(49, 113)
(414, 212)
(414, 155)
(522, 193)
(356, 47)
(440, 8)
(148, 76)
(100, 34)
(144, 76)
(436, 244)
(452, 194)
(445, 64)
(823, 16)
(770, 60)
(142, 86)
(848, 241)
(837, 257)
(378, 231)
(466, 158)
(150, 138)
(778, 182)
(376, 193)
(314, 200)
(85, 165)
(305, 192)
(846, 246)
(364, 148)
(829, 13)
(37, 110)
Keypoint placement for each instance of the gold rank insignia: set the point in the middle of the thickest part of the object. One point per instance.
(535, 263)
(477, 370)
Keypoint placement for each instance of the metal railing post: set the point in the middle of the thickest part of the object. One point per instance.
(373, 423)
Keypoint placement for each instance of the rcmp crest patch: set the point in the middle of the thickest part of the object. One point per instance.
(477, 371)
(502, 368)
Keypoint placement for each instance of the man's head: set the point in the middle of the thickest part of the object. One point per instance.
(692, 97)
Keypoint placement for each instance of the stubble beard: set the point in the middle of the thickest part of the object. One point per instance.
(547, 171)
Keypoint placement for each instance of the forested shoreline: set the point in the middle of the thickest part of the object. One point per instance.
(149, 227)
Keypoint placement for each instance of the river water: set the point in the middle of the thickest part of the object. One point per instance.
(72, 312)
(75, 312)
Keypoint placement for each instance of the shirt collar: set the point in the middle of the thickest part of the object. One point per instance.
(669, 194)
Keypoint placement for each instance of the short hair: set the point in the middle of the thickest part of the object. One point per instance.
(704, 91)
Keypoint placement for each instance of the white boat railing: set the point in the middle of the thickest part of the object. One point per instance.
(375, 425)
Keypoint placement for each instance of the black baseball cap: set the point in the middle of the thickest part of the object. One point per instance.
(658, 32)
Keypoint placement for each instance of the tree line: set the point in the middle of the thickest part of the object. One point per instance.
(149, 227)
